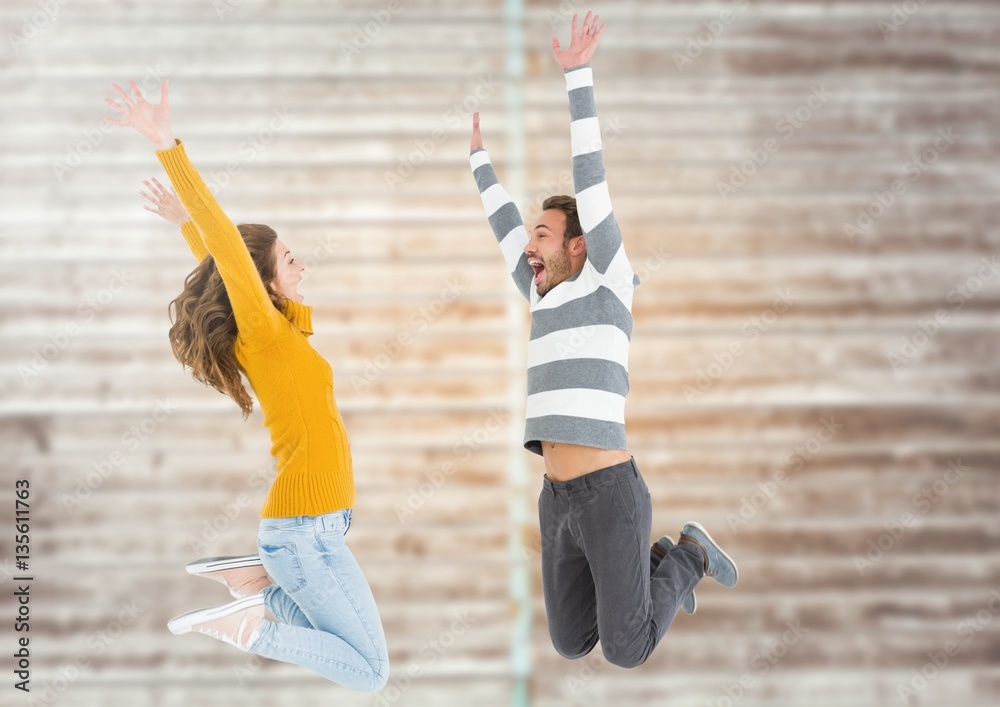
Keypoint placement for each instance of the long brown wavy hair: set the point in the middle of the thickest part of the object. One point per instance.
(203, 331)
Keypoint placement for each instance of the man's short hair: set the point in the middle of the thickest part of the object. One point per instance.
(566, 204)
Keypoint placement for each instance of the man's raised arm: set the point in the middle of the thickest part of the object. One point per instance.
(505, 219)
(593, 201)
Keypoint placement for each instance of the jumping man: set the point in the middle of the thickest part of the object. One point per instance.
(600, 577)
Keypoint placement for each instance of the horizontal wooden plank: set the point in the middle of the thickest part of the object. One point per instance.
(448, 495)
(138, 241)
(820, 686)
(260, 689)
(780, 426)
(643, 26)
(813, 291)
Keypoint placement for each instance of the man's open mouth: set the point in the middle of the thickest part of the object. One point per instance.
(537, 266)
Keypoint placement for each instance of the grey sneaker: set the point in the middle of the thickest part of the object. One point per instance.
(721, 567)
(663, 544)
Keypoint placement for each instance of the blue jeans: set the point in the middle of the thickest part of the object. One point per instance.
(327, 618)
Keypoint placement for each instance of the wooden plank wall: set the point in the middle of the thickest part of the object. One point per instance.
(764, 402)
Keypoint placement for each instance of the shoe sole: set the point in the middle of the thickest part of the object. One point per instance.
(689, 610)
(214, 564)
(736, 570)
(185, 623)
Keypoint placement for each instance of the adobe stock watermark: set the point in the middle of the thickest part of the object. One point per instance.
(797, 458)
(576, 342)
(224, 7)
(613, 648)
(429, 652)
(923, 501)
(786, 127)
(96, 643)
(920, 163)
(362, 35)
(456, 116)
(248, 149)
(697, 44)
(59, 340)
(619, 648)
(566, 9)
(652, 263)
(130, 440)
(94, 137)
(462, 450)
(901, 13)
(324, 248)
(937, 661)
(418, 322)
(724, 360)
(32, 25)
(260, 479)
(562, 183)
(760, 664)
(930, 327)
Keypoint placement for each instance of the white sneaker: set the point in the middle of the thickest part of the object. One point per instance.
(243, 575)
(238, 623)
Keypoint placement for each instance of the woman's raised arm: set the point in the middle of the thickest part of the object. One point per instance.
(257, 319)
(168, 206)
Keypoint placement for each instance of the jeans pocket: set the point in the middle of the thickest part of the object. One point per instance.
(282, 563)
(334, 524)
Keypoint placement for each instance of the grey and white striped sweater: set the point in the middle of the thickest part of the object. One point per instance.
(581, 329)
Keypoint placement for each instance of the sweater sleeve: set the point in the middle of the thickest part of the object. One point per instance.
(193, 237)
(257, 319)
(605, 249)
(505, 220)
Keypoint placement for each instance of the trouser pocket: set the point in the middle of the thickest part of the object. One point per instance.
(283, 564)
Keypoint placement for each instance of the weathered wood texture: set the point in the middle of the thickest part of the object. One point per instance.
(765, 398)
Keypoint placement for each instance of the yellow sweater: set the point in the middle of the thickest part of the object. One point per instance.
(293, 383)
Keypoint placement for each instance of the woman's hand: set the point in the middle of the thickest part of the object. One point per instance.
(151, 121)
(582, 45)
(168, 206)
(477, 138)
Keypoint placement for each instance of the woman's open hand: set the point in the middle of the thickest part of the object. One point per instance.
(166, 203)
(151, 121)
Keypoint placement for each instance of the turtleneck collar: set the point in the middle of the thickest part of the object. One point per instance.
(300, 315)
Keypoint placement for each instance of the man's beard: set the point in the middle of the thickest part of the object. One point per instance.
(557, 269)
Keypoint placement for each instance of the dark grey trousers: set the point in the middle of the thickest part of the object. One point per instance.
(596, 569)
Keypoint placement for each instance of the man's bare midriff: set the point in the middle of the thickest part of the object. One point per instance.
(569, 461)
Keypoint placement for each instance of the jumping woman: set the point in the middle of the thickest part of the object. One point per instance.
(240, 312)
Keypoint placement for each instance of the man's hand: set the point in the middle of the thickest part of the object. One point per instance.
(582, 45)
(477, 138)
(168, 206)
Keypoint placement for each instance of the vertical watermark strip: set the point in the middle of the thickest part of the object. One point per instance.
(22, 584)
